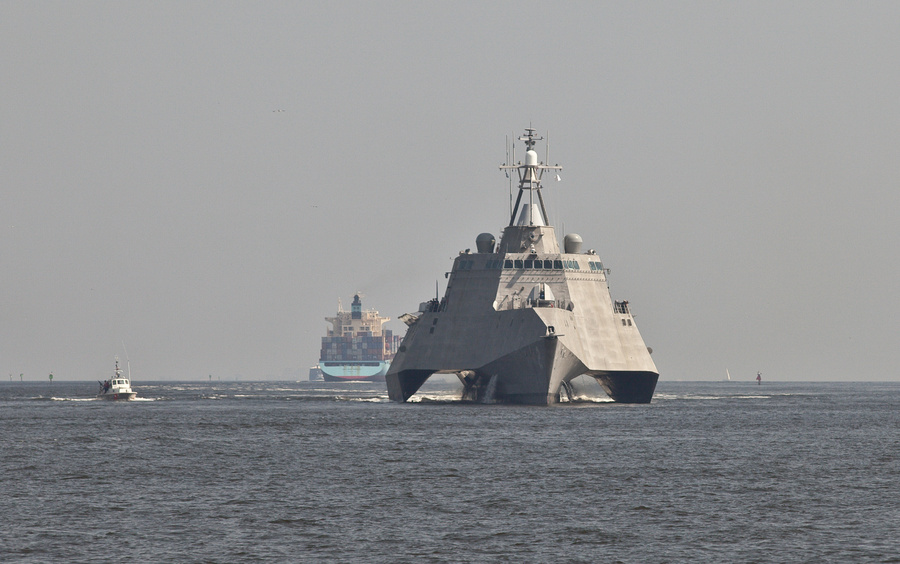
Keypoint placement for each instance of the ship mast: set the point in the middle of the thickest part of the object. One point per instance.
(530, 174)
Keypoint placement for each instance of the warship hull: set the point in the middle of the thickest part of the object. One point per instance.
(628, 387)
(527, 364)
(509, 386)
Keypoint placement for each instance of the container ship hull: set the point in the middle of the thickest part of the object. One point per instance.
(372, 371)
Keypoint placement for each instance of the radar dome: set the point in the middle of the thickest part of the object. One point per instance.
(572, 243)
(531, 158)
(485, 243)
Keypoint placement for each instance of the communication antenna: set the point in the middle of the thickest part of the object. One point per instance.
(547, 160)
(508, 177)
(530, 173)
(127, 360)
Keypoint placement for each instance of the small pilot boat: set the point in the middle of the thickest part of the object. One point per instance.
(117, 389)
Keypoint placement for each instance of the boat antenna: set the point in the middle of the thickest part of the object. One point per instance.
(127, 360)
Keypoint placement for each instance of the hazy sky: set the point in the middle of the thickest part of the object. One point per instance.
(736, 165)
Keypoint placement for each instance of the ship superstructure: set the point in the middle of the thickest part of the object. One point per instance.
(357, 347)
(521, 318)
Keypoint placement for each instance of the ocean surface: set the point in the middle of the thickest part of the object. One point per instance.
(316, 472)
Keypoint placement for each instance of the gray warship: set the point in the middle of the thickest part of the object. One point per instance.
(520, 319)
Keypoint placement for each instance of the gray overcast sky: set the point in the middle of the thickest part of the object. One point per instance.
(735, 164)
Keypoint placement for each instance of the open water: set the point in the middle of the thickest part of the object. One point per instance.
(313, 472)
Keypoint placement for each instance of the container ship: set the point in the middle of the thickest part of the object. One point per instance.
(357, 348)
